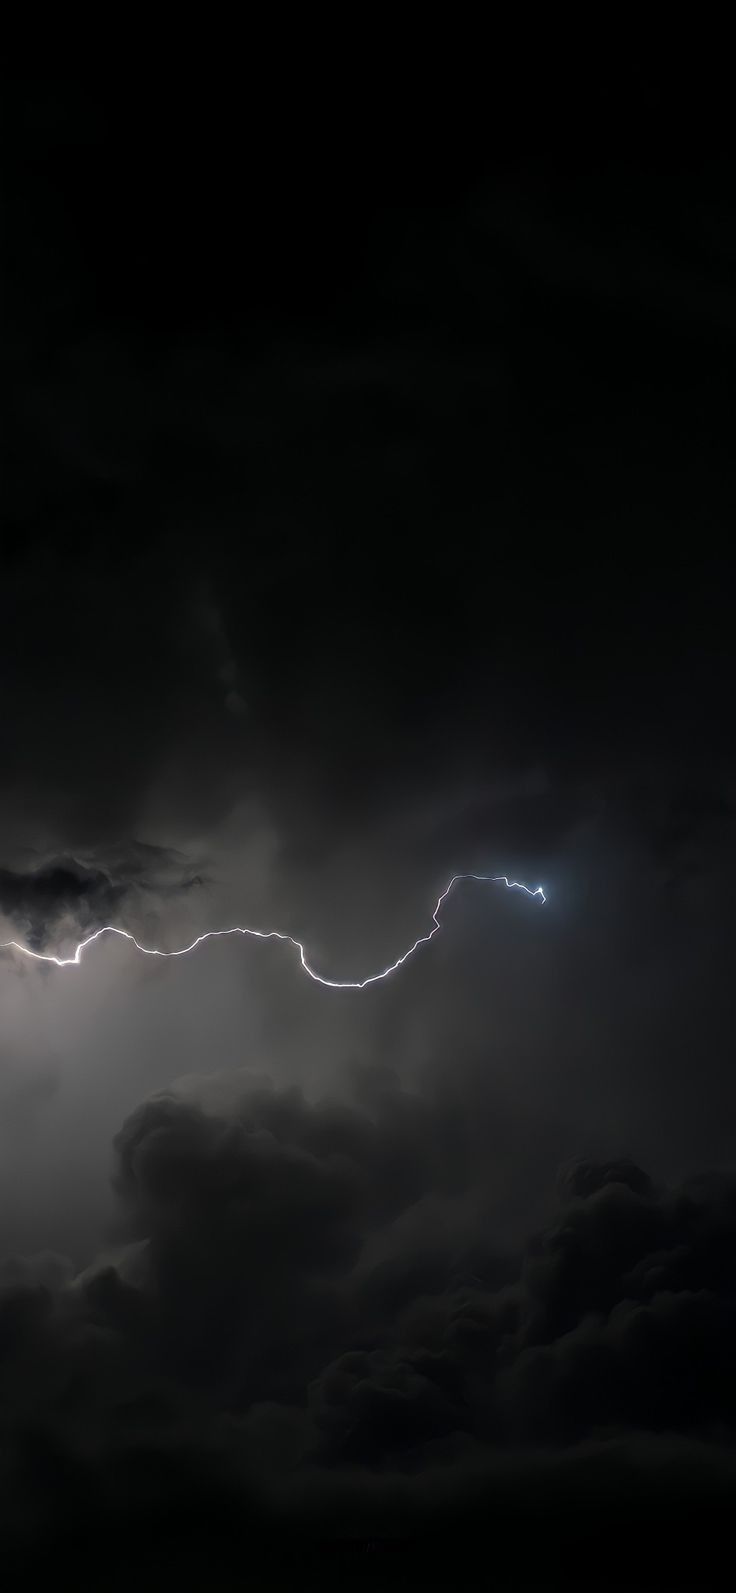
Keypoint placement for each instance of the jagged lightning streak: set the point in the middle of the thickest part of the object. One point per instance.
(277, 934)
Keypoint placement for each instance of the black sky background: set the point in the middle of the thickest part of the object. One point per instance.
(368, 516)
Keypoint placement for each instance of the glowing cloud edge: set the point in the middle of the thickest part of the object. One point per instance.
(276, 934)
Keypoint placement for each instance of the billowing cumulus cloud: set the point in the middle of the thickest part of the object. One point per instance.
(269, 1320)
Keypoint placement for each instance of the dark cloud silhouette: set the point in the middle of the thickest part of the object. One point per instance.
(584, 1178)
(37, 899)
(245, 1350)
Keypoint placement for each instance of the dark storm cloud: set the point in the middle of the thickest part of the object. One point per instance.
(38, 899)
(254, 1338)
(85, 896)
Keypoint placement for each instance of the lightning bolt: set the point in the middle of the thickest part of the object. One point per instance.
(277, 934)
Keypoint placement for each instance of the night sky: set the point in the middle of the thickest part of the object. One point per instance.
(369, 503)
